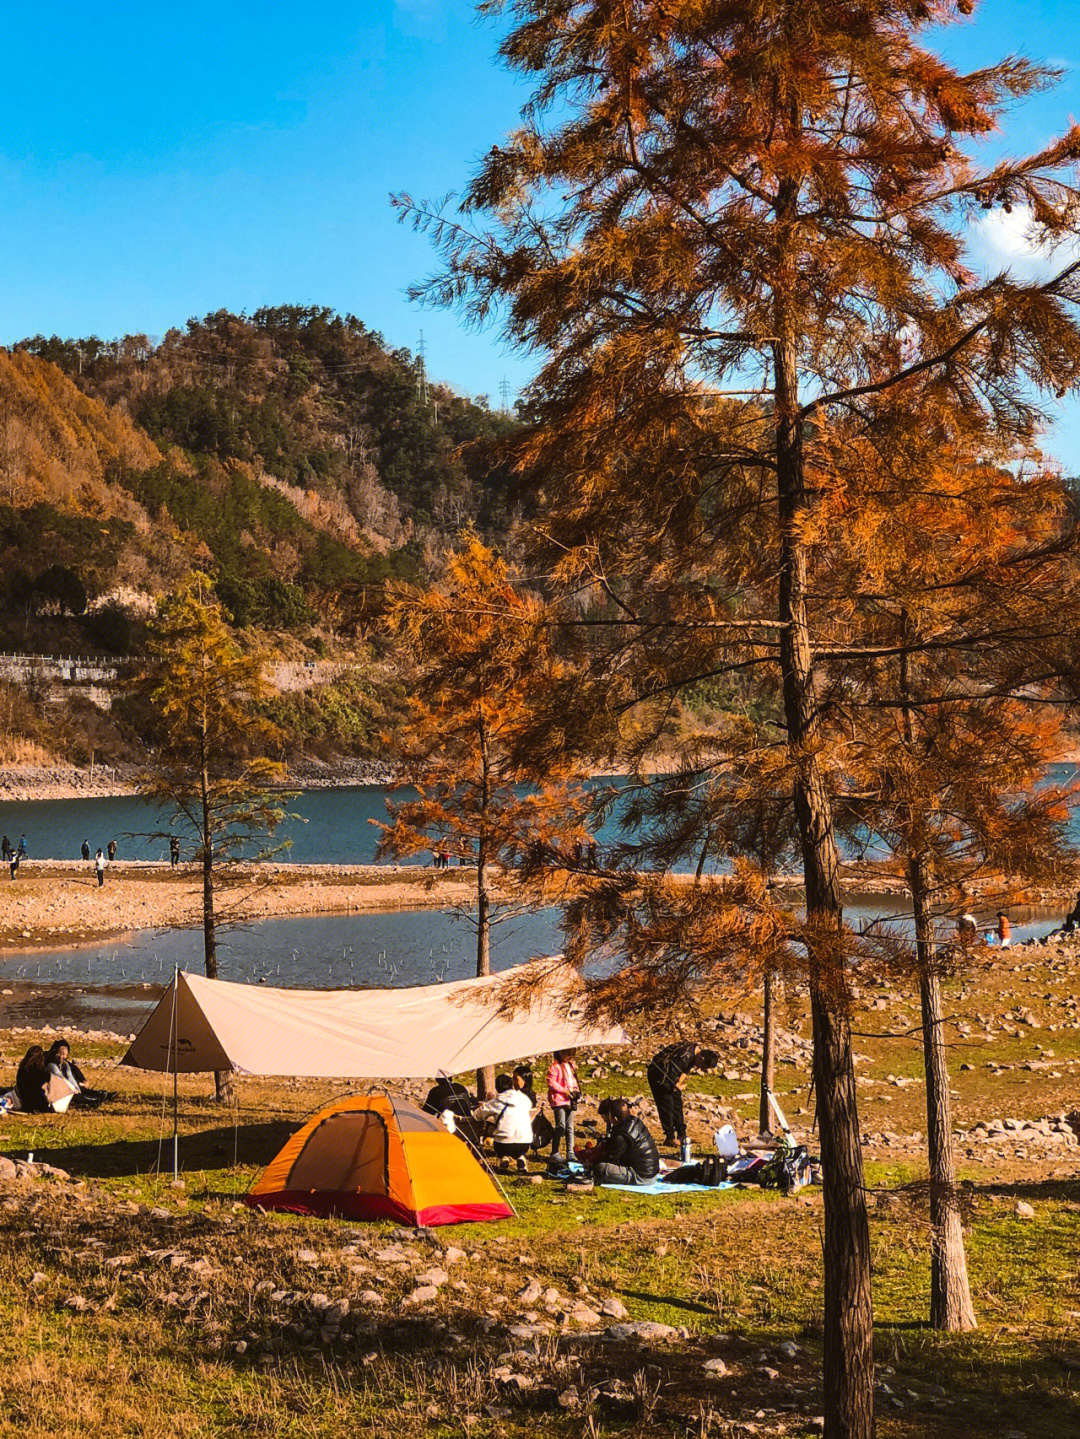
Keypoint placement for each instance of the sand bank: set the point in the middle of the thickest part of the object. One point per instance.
(55, 903)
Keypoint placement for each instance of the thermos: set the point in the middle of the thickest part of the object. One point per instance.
(687, 1151)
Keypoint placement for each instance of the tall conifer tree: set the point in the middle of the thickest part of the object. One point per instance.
(715, 197)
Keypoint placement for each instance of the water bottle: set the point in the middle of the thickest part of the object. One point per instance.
(687, 1151)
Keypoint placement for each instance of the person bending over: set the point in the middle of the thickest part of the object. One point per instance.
(511, 1112)
(667, 1078)
(628, 1154)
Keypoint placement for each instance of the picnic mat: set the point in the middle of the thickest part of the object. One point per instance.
(658, 1186)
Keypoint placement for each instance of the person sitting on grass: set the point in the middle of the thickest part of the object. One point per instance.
(59, 1064)
(628, 1153)
(30, 1081)
(447, 1093)
(511, 1112)
(58, 1061)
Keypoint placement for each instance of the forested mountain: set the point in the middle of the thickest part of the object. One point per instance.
(287, 452)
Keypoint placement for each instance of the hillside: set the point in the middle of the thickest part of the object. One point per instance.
(291, 454)
(311, 398)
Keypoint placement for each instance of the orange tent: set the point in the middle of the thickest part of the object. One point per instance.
(379, 1157)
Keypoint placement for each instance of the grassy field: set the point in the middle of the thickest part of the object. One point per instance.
(135, 1308)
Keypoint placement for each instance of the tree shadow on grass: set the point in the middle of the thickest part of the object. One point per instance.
(204, 1149)
(1030, 1389)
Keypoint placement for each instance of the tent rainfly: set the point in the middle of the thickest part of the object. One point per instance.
(210, 1024)
(377, 1156)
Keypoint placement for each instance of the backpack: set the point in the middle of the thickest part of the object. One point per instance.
(788, 1170)
(543, 1131)
(711, 1171)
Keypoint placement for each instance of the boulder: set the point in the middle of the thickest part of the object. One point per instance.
(422, 1294)
(647, 1331)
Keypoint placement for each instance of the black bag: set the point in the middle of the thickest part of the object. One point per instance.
(543, 1131)
(711, 1171)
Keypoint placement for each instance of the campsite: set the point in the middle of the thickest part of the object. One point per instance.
(275, 1323)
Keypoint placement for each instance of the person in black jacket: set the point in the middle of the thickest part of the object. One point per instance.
(666, 1074)
(448, 1094)
(628, 1154)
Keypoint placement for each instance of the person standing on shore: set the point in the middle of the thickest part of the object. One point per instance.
(99, 865)
(111, 850)
(174, 852)
(13, 863)
(1004, 929)
(6, 853)
(86, 849)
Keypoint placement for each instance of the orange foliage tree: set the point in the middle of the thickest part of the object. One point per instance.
(478, 650)
(712, 198)
(962, 585)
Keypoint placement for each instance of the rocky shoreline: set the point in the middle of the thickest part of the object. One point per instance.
(58, 781)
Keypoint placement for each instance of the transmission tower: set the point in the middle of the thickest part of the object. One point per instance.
(504, 395)
(421, 372)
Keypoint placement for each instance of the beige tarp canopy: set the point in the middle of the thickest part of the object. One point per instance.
(359, 1033)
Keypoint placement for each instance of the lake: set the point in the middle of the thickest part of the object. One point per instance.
(113, 984)
(332, 826)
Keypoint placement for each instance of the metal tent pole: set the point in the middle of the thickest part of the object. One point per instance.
(175, 1084)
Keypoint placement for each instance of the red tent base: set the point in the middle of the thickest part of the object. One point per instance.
(375, 1206)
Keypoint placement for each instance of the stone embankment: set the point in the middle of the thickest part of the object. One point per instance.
(61, 781)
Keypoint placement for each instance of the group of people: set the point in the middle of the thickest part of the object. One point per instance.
(100, 858)
(463, 849)
(50, 1079)
(967, 930)
(514, 1120)
(13, 855)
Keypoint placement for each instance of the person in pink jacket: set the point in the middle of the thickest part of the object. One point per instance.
(564, 1091)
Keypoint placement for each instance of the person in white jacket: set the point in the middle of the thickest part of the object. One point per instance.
(511, 1111)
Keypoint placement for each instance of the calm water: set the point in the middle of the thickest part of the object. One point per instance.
(332, 826)
(312, 952)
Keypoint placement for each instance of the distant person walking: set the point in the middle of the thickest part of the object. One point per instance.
(23, 851)
(99, 865)
(174, 851)
(111, 850)
(86, 849)
(13, 865)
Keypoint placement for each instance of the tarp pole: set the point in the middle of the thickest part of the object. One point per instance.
(175, 1084)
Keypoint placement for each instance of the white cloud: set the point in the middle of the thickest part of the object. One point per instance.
(1007, 241)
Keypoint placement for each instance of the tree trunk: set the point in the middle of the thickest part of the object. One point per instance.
(768, 1056)
(849, 1328)
(950, 1294)
(485, 1078)
(223, 1080)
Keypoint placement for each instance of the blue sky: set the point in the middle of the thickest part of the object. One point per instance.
(160, 161)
